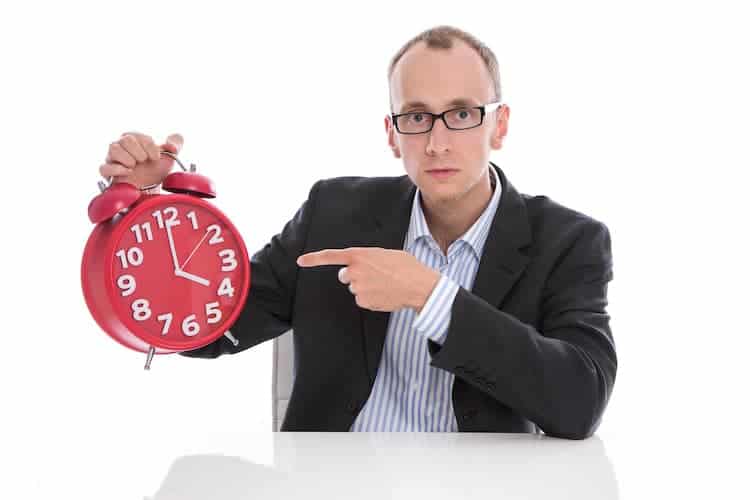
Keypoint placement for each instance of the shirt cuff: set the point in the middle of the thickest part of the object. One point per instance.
(434, 319)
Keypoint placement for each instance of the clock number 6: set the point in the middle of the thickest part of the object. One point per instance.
(190, 327)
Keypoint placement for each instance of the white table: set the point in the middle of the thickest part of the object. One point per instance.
(398, 465)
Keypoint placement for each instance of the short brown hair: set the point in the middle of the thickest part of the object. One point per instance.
(441, 37)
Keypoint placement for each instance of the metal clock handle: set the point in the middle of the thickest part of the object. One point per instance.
(103, 187)
(152, 350)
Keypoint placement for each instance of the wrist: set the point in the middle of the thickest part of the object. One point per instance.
(431, 280)
(151, 189)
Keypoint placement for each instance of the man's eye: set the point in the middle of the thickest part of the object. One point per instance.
(417, 117)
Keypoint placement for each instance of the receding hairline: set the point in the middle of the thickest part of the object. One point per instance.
(442, 38)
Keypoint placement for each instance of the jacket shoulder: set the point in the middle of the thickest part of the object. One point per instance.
(568, 237)
(546, 214)
(348, 194)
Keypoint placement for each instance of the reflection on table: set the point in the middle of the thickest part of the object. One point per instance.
(401, 465)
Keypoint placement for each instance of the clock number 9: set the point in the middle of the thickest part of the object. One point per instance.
(126, 283)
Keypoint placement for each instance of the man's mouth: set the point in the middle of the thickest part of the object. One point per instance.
(442, 173)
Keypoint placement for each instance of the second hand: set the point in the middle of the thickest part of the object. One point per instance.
(182, 267)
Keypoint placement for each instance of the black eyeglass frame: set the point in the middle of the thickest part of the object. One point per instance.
(484, 109)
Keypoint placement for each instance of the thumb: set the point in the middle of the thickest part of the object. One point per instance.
(174, 143)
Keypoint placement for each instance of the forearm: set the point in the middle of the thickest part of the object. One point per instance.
(560, 379)
(267, 312)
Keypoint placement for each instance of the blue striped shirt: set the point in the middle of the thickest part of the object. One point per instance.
(409, 394)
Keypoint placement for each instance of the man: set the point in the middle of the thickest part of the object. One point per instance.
(442, 300)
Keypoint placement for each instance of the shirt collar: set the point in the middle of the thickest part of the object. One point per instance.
(475, 236)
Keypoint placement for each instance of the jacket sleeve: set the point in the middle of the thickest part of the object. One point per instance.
(267, 312)
(559, 377)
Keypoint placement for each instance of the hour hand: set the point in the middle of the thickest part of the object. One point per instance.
(191, 277)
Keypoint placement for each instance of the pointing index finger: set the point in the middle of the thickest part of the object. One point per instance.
(331, 256)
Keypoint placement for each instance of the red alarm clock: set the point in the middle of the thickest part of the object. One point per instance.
(164, 273)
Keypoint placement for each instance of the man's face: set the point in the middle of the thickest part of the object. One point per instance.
(435, 78)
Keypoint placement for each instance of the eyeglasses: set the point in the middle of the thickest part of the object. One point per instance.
(420, 122)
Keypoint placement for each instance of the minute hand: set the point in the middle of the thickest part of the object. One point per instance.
(171, 246)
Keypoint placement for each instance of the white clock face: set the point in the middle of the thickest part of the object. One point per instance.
(178, 271)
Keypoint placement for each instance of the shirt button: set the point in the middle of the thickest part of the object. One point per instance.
(414, 386)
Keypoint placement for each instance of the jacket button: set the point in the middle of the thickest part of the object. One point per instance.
(469, 414)
(353, 406)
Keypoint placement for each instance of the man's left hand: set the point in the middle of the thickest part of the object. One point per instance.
(380, 279)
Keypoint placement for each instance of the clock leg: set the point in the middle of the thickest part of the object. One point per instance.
(229, 335)
(149, 357)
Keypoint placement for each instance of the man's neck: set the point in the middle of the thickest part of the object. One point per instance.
(447, 221)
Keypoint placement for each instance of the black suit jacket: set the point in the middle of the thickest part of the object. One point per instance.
(530, 345)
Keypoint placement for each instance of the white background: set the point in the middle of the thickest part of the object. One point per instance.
(635, 113)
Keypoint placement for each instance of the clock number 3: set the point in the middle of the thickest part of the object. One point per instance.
(228, 262)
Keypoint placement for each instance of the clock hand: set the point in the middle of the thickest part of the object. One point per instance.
(192, 277)
(171, 246)
(193, 252)
(177, 269)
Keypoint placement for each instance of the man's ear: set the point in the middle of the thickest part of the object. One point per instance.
(391, 133)
(501, 127)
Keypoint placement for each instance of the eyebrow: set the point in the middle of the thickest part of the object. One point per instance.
(455, 102)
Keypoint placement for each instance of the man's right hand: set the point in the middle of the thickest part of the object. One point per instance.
(135, 158)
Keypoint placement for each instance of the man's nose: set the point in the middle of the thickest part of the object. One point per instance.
(438, 140)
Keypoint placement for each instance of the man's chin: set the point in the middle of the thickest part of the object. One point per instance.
(441, 194)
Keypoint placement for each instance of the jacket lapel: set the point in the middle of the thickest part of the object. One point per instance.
(502, 261)
(499, 268)
(387, 229)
